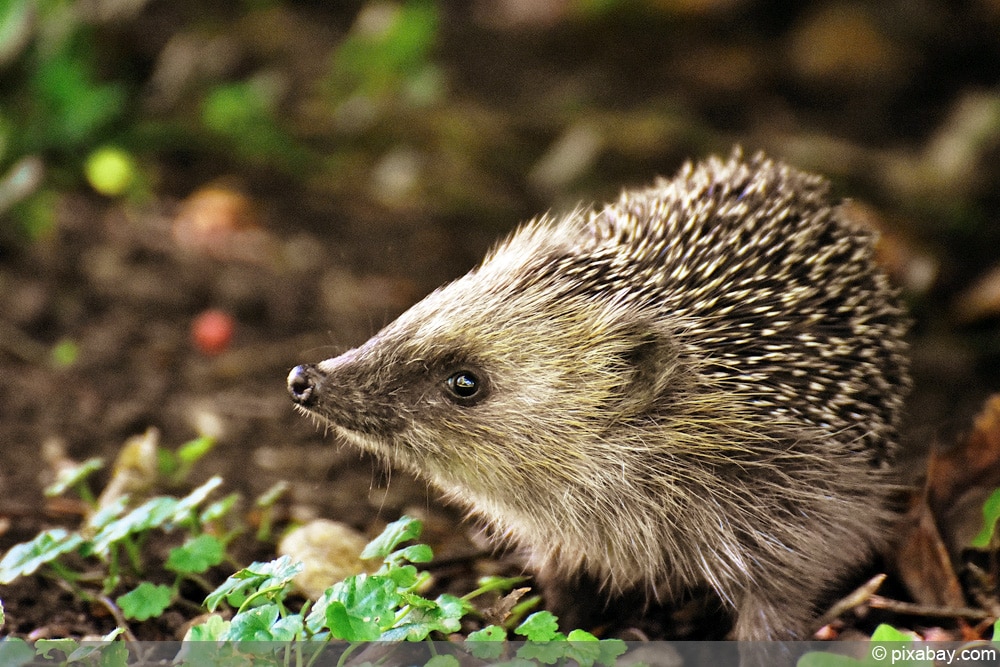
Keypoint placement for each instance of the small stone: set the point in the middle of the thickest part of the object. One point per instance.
(330, 551)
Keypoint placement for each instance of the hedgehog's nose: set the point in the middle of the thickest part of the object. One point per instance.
(302, 384)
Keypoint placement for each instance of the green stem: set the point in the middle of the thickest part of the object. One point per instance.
(134, 554)
(114, 572)
(346, 654)
(403, 611)
(68, 578)
(86, 495)
(315, 656)
(266, 522)
(262, 593)
(494, 584)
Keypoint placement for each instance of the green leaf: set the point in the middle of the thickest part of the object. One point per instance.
(272, 495)
(488, 643)
(219, 654)
(67, 478)
(187, 504)
(194, 450)
(405, 576)
(546, 652)
(491, 633)
(154, 513)
(100, 519)
(206, 644)
(105, 651)
(426, 616)
(162, 512)
(991, 514)
(416, 553)
(343, 625)
(996, 631)
(583, 647)
(73, 107)
(244, 113)
(218, 509)
(362, 607)
(542, 626)
(44, 647)
(23, 559)
(288, 628)
(238, 587)
(376, 62)
(824, 659)
(316, 621)
(196, 555)
(212, 630)
(263, 624)
(887, 633)
(401, 530)
(611, 650)
(442, 661)
(452, 610)
(114, 654)
(167, 464)
(145, 601)
(15, 652)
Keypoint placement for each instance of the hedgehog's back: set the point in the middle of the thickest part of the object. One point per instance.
(770, 287)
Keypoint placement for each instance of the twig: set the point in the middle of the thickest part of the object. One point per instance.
(855, 598)
(915, 609)
(122, 622)
(120, 619)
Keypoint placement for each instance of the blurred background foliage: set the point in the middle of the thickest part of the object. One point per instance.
(474, 115)
(461, 92)
(81, 80)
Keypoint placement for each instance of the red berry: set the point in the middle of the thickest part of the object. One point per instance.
(212, 331)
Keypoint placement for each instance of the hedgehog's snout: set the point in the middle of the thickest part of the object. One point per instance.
(302, 381)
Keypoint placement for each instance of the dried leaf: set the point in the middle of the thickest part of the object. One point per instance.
(973, 463)
(923, 561)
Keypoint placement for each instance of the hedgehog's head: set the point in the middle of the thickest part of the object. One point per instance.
(504, 376)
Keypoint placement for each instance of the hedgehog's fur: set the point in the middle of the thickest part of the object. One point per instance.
(698, 384)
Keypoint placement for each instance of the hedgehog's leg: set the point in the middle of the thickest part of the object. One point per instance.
(763, 622)
(764, 617)
(575, 600)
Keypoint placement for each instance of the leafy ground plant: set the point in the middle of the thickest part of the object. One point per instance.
(385, 606)
(104, 562)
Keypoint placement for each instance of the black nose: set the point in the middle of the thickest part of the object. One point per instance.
(302, 384)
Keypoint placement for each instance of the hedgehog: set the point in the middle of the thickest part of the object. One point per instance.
(698, 385)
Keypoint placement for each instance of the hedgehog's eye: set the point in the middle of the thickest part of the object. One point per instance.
(464, 386)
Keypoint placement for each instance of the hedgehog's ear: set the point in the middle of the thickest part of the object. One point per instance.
(651, 364)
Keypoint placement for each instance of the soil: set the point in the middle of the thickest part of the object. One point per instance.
(333, 262)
